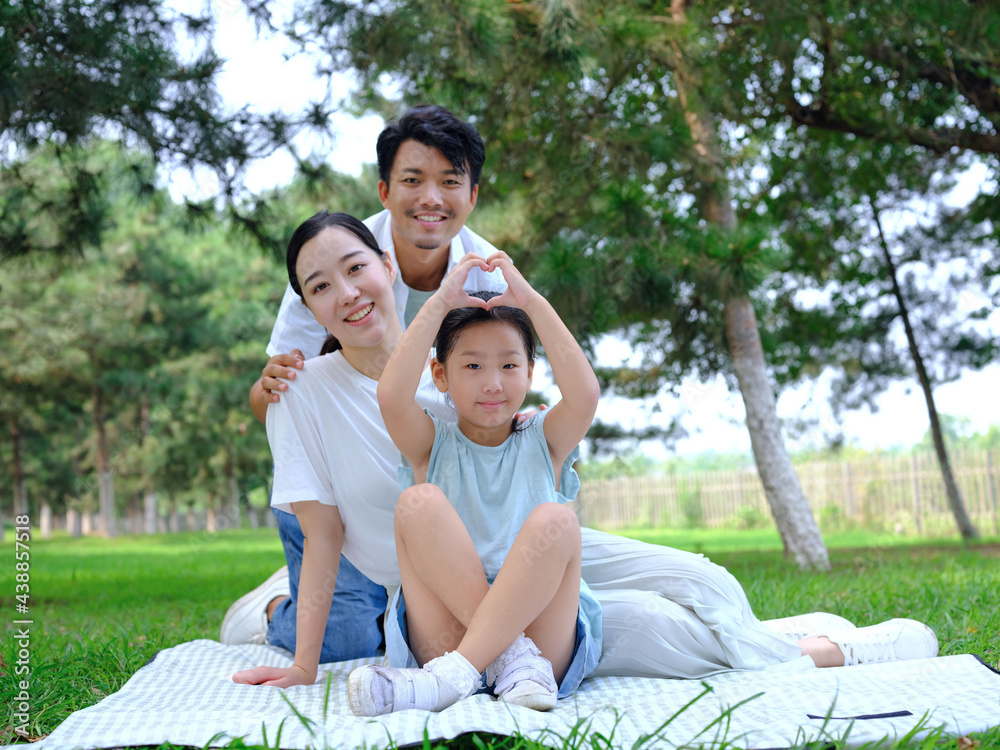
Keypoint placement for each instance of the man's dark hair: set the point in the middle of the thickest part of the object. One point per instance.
(433, 126)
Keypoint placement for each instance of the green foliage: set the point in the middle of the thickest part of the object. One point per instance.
(138, 353)
(138, 72)
(749, 517)
(628, 464)
(837, 303)
(689, 502)
(586, 110)
(832, 519)
(890, 71)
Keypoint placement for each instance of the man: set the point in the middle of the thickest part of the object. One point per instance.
(429, 166)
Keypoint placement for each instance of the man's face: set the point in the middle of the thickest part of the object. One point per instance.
(427, 197)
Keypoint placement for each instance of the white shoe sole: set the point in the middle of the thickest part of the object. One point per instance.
(359, 693)
(530, 695)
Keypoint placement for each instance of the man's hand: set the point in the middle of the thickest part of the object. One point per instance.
(522, 418)
(279, 369)
(274, 676)
(280, 366)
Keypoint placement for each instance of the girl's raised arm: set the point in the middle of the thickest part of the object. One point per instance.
(568, 420)
(409, 427)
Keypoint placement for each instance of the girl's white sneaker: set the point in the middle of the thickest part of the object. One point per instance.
(375, 691)
(521, 676)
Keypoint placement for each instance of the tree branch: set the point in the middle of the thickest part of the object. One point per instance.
(938, 140)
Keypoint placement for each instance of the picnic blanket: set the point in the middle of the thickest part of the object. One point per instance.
(185, 696)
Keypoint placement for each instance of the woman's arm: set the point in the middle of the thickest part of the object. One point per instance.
(323, 530)
(566, 422)
(409, 427)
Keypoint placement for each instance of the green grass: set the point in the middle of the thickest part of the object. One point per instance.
(103, 607)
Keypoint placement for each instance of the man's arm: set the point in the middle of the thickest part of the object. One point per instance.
(271, 383)
(296, 331)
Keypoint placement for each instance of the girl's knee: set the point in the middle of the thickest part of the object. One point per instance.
(554, 522)
(418, 499)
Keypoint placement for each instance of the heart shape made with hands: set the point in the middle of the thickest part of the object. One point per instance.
(479, 280)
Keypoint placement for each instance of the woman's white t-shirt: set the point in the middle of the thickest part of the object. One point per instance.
(329, 443)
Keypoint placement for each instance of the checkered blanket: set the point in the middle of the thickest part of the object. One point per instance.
(185, 696)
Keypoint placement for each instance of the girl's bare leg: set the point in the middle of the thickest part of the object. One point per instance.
(443, 580)
(450, 605)
(537, 591)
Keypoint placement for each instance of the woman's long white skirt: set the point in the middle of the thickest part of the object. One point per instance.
(669, 613)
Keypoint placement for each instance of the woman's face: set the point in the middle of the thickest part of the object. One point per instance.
(347, 287)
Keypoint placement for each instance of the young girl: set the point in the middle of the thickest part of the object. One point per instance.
(489, 557)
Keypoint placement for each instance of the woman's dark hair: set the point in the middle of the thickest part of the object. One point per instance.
(433, 126)
(316, 224)
(458, 320)
(309, 229)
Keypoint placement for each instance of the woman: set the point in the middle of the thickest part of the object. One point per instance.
(666, 612)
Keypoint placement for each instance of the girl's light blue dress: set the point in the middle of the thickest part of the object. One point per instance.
(493, 489)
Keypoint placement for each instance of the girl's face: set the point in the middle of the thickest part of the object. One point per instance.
(487, 376)
(347, 287)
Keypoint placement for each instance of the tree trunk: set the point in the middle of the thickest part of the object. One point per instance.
(791, 511)
(965, 526)
(148, 495)
(45, 520)
(20, 490)
(74, 523)
(210, 514)
(232, 511)
(789, 505)
(105, 478)
(173, 517)
(149, 511)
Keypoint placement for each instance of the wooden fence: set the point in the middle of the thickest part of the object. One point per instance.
(903, 494)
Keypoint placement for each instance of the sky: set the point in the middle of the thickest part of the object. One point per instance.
(257, 74)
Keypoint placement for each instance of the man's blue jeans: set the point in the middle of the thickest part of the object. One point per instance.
(354, 627)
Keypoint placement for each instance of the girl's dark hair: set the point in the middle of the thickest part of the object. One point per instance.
(312, 227)
(434, 126)
(462, 318)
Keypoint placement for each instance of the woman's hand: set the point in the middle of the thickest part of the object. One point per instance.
(274, 676)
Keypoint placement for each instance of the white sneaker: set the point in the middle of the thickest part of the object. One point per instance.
(375, 691)
(813, 623)
(893, 640)
(246, 620)
(521, 676)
